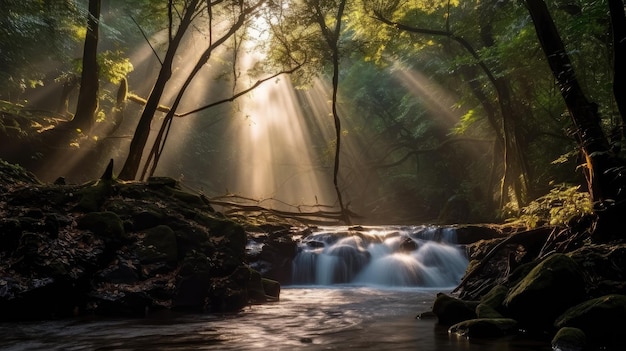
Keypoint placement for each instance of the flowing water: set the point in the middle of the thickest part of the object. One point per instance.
(361, 290)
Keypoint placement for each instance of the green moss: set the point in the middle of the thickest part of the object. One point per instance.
(549, 289)
(93, 197)
(450, 310)
(569, 339)
(602, 317)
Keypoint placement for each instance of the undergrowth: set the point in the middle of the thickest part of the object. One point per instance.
(558, 207)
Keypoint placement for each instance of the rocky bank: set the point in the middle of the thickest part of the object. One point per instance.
(118, 248)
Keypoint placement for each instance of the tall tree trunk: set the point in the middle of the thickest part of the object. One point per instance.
(332, 39)
(88, 93)
(138, 143)
(618, 24)
(585, 117)
(161, 138)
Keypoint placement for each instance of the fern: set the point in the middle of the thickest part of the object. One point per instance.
(562, 204)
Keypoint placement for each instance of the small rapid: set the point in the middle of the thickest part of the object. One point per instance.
(414, 256)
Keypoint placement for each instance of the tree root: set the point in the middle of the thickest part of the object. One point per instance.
(528, 239)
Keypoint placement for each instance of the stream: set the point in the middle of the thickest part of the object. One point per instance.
(353, 290)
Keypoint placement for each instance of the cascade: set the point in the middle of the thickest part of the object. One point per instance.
(412, 256)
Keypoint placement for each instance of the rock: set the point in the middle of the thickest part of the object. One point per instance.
(548, 290)
(92, 197)
(256, 291)
(602, 318)
(484, 327)
(491, 303)
(271, 288)
(158, 244)
(408, 245)
(569, 339)
(450, 310)
(106, 225)
(146, 219)
(119, 249)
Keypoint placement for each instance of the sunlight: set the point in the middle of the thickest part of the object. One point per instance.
(439, 101)
(275, 150)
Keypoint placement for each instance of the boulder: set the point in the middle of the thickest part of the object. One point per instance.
(450, 310)
(602, 318)
(569, 339)
(490, 304)
(548, 290)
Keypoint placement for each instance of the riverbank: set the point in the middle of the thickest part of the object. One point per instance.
(117, 248)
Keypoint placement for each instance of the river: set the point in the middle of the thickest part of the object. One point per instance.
(359, 289)
(305, 318)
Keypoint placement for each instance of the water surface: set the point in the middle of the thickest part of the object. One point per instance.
(306, 318)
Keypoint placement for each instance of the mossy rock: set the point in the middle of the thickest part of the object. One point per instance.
(548, 290)
(490, 305)
(147, 219)
(600, 318)
(484, 327)
(233, 233)
(271, 288)
(570, 339)
(93, 197)
(450, 310)
(256, 292)
(106, 225)
(158, 244)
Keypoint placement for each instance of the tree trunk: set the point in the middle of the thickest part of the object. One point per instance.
(618, 24)
(161, 138)
(585, 117)
(138, 143)
(332, 39)
(88, 93)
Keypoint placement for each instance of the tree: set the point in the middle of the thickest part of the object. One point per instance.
(515, 173)
(604, 171)
(188, 12)
(331, 35)
(88, 93)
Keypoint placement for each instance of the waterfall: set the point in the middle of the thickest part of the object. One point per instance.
(416, 256)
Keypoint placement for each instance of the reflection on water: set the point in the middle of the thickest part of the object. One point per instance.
(338, 318)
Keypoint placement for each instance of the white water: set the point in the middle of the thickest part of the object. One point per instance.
(380, 256)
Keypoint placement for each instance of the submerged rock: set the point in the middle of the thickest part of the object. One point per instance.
(484, 327)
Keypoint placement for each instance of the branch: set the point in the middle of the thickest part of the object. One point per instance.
(243, 92)
(147, 40)
(446, 33)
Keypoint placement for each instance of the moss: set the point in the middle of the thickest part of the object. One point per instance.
(568, 338)
(93, 197)
(547, 291)
(602, 317)
(450, 310)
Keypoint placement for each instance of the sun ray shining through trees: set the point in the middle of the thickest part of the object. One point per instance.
(400, 107)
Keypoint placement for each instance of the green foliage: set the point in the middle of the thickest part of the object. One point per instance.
(114, 66)
(562, 204)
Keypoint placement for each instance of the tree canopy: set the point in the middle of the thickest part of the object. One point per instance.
(414, 110)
